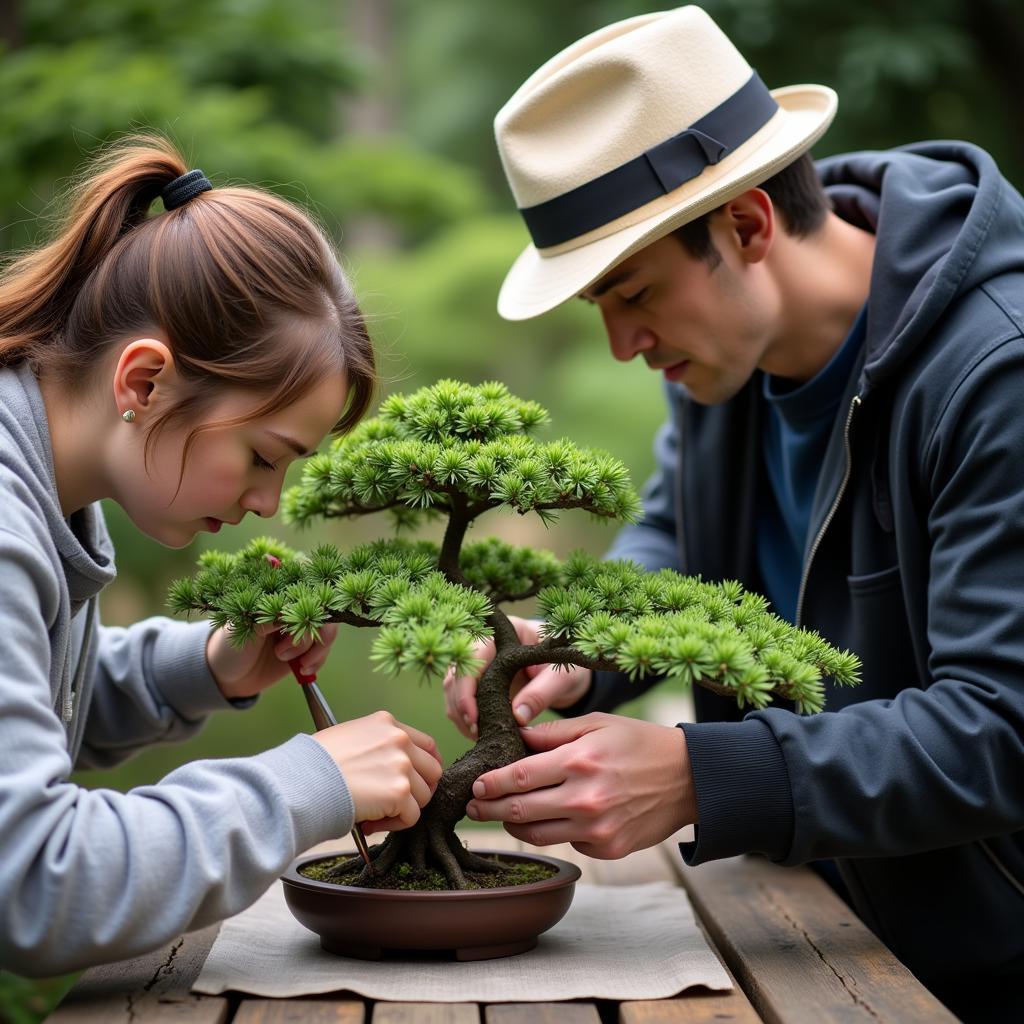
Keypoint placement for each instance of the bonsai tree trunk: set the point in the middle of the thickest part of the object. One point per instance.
(431, 843)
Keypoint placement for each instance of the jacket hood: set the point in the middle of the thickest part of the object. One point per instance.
(26, 461)
(946, 221)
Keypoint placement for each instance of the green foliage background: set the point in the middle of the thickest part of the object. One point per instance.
(376, 114)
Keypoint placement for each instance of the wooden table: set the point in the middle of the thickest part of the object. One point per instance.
(796, 952)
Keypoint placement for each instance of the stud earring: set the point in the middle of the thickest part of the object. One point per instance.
(128, 415)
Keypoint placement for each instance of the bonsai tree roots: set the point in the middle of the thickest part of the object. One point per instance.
(457, 451)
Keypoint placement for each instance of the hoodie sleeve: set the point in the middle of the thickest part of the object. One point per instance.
(935, 766)
(151, 683)
(84, 873)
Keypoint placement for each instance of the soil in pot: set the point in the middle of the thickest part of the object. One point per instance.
(403, 876)
(467, 924)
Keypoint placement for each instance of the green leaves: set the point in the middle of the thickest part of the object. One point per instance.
(452, 445)
(427, 623)
(459, 450)
(619, 616)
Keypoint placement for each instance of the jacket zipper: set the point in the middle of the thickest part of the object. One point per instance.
(854, 403)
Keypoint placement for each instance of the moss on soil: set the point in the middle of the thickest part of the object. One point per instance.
(403, 876)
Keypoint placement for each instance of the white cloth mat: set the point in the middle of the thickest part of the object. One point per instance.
(615, 942)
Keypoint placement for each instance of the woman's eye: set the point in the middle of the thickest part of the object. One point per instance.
(258, 460)
(636, 297)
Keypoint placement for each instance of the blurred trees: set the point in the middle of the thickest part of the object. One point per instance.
(376, 114)
(904, 72)
(252, 87)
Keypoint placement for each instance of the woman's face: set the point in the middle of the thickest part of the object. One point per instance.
(230, 470)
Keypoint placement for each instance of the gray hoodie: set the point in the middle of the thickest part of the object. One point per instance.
(88, 876)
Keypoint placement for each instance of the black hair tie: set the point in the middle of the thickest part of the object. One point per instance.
(178, 192)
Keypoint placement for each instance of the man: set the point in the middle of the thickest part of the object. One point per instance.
(844, 371)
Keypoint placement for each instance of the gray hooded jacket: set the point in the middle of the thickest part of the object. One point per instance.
(85, 874)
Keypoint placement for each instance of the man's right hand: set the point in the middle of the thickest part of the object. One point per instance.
(533, 690)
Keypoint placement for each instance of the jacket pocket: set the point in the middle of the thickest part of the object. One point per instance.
(873, 581)
(879, 636)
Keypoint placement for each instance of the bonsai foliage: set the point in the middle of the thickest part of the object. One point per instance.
(457, 451)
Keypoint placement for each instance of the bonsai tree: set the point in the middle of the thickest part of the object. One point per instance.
(457, 451)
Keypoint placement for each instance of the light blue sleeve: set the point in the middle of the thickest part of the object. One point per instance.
(151, 683)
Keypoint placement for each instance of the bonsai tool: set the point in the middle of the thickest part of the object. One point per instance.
(323, 718)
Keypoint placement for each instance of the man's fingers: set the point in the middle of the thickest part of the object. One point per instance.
(550, 735)
(544, 833)
(539, 694)
(519, 808)
(521, 776)
(460, 693)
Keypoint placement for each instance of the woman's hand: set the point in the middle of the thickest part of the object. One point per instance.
(535, 689)
(246, 671)
(391, 769)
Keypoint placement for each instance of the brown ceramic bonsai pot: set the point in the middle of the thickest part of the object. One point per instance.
(473, 924)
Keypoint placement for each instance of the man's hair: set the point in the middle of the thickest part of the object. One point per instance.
(796, 193)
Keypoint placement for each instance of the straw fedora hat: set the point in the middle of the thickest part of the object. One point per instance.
(631, 132)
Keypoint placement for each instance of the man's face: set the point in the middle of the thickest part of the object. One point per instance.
(705, 327)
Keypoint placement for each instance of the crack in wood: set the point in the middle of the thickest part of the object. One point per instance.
(166, 967)
(858, 1000)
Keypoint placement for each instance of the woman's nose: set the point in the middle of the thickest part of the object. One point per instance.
(261, 501)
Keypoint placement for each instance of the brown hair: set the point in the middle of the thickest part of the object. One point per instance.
(796, 193)
(243, 285)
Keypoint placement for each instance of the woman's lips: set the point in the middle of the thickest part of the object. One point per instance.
(213, 525)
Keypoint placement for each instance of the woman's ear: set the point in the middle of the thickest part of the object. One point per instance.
(750, 221)
(145, 366)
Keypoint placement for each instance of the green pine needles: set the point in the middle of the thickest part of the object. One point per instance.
(458, 451)
(455, 447)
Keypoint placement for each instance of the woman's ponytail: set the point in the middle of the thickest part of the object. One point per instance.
(39, 289)
(243, 286)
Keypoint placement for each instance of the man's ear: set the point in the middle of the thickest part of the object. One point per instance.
(750, 222)
(145, 366)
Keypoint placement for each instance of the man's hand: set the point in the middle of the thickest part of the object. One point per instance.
(248, 670)
(606, 784)
(533, 690)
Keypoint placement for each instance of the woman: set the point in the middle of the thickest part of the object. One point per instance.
(176, 364)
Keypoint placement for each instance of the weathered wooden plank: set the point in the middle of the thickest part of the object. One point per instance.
(698, 1006)
(541, 1013)
(299, 1011)
(800, 953)
(142, 1009)
(426, 1013)
(150, 989)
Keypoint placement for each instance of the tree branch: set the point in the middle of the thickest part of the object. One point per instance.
(502, 597)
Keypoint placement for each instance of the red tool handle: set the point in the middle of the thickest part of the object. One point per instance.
(300, 677)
